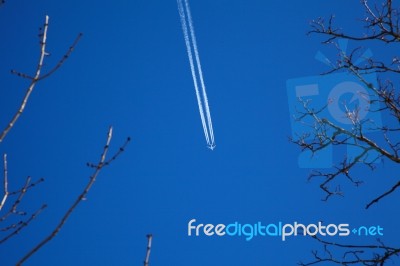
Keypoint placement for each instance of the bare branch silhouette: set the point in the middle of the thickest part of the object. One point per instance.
(100, 165)
(148, 250)
(3, 201)
(14, 219)
(396, 186)
(22, 224)
(37, 77)
(381, 24)
(14, 211)
(348, 254)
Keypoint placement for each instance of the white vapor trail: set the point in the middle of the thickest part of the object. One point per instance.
(207, 126)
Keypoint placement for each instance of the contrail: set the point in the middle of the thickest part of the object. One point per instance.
(207, 127)
(189, 51)
(196, 53)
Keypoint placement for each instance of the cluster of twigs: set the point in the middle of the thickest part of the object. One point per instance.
(97, 168)
(382, 25)
(368, 255)
(13, 228)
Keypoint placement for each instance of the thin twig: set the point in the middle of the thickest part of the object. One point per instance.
(3, 201)
(18, 226)
(148, 250)
(64, 58)
(13, 209)
(397, 185)
(121, 150)
(353, 254)
(21, 225)
(31, 185)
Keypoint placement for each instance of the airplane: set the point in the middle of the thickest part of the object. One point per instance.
(211, 146)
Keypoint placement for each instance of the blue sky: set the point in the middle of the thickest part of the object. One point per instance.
(130, 70)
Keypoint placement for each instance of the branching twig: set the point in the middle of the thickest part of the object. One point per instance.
(382, 98)
(33, 83)
(79, 199)
(372, 255)
(382, 24)
(64, 58)
(21, 225)
(30, 185)
(37, 77)
(13, 209)
(18, 226)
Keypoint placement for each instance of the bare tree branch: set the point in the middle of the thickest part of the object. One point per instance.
(148, 250)
(33, 83)
(3, 201)
(22, 224)
(37, 77)
(63, 59)
(13, 210)
(79, 199)
(325, 132)
(13, 228)
(371, 255)
(397, 185)
(381, 24)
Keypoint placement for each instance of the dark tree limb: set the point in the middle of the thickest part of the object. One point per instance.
(387, 193)
(348, 254)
